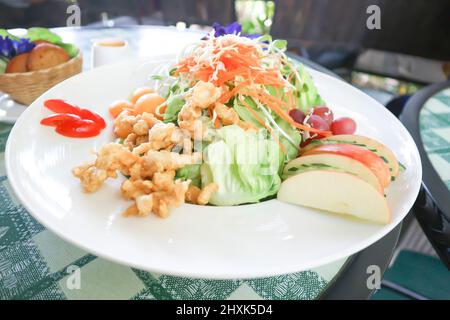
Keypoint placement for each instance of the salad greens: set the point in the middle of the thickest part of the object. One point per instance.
(310, 97)
(244, 165)
(261, 90)
(174, 105)
(291, 138)
(191, 172)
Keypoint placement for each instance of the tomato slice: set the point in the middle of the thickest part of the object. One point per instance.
(78, 129)
(57, 119)
(90, 115)
(61, 106)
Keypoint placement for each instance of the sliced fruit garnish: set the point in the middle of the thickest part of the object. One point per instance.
(366, 157)
(336, 192)
(332, 162)
(370, 144)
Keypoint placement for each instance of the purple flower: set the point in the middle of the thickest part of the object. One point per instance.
(9, 48)
(232, 28)
(251, 36)
(6, 48)
(23, 46)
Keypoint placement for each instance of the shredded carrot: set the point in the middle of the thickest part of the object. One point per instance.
(217, 123)
(267, 100)
(227, 95)
(241, 60)
(261, 121)
(230, 60)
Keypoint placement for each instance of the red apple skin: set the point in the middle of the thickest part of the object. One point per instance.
(366, 157)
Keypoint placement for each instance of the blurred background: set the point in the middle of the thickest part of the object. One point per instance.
(409, 52)
(412, 48)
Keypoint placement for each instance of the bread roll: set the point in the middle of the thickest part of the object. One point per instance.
(46, 55)
(18, 64)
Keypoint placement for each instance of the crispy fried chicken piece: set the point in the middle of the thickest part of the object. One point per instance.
(199, 196)
(203, 95)
(133, 189)
(165, 200)
(90, 176)
(226, 115)
(111, 158)
(206, 193)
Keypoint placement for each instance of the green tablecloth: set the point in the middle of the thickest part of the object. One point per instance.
(435, 133)
(36, 264)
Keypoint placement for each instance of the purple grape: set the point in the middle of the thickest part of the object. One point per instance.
(297, 115)
(318, 123)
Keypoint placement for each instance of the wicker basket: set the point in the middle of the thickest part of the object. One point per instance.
(25, 87)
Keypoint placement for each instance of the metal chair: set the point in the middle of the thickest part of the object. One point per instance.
(432, 207)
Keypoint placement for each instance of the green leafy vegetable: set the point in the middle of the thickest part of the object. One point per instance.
(157, 77)
(174, 105)
(280, 44)
(265, 38)
(71, 49)
(295, 138)
(35, 34)
(3, 65)
(244, 164)
(5, 33)
(309, 96)
(191, 172)
(44, 34)
(247, 115)
(276, 123)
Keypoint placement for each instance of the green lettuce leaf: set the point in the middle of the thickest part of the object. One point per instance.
(44, 34)
(35, 34)
(245, 114)
(244, 164)
(309, 96)
(294, 135)
(174, 105)
(191, 172)
(5, 33)
(3, 65)
(71, 49)
(291, 145)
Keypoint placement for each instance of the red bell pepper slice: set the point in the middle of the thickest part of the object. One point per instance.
(61, 106)
(78, 129)
(90, 115)
(57, 119)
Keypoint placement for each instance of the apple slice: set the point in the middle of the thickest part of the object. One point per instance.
(378, 148)
(336, 192)
(332, 162)
(366, 157)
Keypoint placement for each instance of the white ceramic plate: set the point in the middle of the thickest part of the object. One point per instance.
(264, 239)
